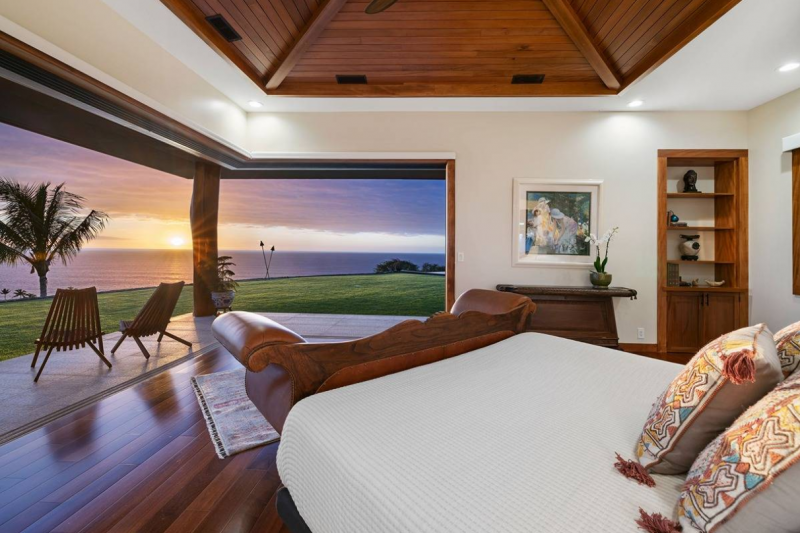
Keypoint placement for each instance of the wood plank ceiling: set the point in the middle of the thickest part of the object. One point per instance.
(450, 47)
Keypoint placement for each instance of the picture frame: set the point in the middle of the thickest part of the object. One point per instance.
(551, 218)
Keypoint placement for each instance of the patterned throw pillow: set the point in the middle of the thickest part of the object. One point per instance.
(727, 376)
(747, 479)
(787, 341)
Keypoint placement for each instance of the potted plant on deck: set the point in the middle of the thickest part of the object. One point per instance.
(599, 277)
(223, 287)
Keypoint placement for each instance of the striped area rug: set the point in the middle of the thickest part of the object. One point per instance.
(234, 423)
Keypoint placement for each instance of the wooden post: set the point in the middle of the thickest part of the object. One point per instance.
(203, 215)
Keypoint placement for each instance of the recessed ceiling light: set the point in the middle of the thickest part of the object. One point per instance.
(255, 103)
(636, 103)
(789, 66)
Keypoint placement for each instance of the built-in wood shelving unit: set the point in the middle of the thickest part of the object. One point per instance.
(689, 317)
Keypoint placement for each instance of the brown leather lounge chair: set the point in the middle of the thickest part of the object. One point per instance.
(282, 368)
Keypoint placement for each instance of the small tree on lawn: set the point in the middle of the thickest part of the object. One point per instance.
(5, 293)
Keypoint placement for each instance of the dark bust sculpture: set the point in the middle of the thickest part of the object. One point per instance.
(689, 181)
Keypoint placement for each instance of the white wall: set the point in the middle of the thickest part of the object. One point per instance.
(494, 148)
(101, 43)
(771, 212)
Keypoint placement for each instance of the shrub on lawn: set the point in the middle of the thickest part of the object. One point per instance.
(432, 267)
(396, 265)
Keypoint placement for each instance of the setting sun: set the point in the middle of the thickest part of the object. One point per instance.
(177, 241)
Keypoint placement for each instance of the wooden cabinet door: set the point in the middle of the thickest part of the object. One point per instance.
(720, 315)
(683, 322)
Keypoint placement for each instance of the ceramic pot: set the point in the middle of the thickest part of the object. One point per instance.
(223, 299)
(600, 280)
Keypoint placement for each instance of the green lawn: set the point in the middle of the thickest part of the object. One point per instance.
(386, 294)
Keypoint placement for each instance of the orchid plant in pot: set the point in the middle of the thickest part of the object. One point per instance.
(599, 277)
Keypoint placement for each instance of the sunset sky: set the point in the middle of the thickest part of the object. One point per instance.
(150, 209)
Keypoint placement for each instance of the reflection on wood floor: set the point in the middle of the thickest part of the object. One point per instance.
(140, 460)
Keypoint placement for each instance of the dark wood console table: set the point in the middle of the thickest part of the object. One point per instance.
(583, 314)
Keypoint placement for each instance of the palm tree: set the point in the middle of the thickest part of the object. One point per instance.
(40, 223)
(5, 293)
(20, 293)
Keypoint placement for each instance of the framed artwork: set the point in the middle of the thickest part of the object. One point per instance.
(552, 219)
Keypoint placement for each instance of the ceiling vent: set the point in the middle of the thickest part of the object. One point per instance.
(527, 79)
(351, 79)
(224, 28)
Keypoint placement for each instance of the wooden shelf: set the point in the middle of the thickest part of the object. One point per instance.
(703, 288)
(698, 194)
(681, 262)
(697, 228)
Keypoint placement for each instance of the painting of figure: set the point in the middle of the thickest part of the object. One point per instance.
(557, 223)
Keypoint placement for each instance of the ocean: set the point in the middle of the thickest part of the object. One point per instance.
(126, 269)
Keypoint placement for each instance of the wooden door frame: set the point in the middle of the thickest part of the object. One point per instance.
(450, 236)
(204, 213)
(796, 222)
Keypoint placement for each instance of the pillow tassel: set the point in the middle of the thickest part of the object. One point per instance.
(657, 523)
(739, 368)
(633, 470)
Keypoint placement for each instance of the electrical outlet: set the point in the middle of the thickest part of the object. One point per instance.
(460, 257)
(640, 333)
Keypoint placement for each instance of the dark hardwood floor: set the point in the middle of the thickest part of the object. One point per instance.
(138, 461)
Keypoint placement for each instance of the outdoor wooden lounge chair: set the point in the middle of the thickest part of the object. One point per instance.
(153, 318)
(72, 322)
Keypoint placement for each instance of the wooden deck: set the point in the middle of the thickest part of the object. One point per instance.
(138, 461)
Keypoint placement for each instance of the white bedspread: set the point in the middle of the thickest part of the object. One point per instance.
(516, 437)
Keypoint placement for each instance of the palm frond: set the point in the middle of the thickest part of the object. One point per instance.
(72, 239)
(13, 238)
(10, 256)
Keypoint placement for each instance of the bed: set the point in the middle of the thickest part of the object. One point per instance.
(518, 436)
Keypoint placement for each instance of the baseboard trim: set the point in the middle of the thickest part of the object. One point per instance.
(639, 348)
(39, 422)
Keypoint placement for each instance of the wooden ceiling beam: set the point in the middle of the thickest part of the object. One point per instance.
(196, 20)
(696, 24)
(442, 89)
(569, 20)
(313, 29)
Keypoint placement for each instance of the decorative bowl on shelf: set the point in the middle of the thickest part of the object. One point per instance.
(715, 283)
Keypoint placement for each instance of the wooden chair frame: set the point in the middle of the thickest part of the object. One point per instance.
(153, 318)
(72, 322)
